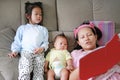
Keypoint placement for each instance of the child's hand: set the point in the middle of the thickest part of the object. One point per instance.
(46, 66)
(13, 54)
(70, 68)
(38, 50)
(45, 70)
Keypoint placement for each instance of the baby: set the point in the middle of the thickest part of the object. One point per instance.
(59, 59)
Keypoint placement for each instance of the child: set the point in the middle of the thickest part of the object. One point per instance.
(31, 40)
(87, 36)
(59, 59)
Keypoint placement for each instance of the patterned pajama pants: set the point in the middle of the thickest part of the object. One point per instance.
(29, 62)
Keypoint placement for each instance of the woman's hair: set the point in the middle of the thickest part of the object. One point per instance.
(60, 35)
(95, 30)
(30, 6)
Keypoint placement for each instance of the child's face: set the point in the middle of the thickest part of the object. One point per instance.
(36, 16)
(86, 39)
(60, 43)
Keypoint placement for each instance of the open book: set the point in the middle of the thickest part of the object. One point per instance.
(101, 59)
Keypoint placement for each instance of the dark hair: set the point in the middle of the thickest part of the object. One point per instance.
(30, 6)
(95, 30)
(60, 35)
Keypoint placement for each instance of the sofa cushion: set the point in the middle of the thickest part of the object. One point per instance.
(6, 38)
(8, 67)
(71, 13)
(10, 14)
(107, 10)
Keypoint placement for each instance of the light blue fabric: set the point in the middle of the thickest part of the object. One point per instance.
(28, 37)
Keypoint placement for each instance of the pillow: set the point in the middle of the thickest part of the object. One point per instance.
(6, 38)
(108, 30)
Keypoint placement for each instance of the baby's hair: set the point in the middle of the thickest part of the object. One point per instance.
(60, 35)
(30, 6)
(95, 30)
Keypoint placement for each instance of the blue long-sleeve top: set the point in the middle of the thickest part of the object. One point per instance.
(28, 37)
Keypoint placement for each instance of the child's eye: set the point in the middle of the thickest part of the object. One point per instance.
(36, 14)
(40, 14)
(65, 44)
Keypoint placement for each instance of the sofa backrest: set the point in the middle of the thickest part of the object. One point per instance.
(61, 15)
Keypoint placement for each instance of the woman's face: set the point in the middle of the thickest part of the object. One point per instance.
(87, 39)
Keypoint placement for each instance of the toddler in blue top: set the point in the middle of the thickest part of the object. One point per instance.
(31, 40)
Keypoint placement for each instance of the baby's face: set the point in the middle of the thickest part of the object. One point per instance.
(60, 43)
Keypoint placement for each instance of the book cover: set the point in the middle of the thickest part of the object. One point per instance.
(101, 59)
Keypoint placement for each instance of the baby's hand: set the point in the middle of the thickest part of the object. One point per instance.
(13, 54)
(38, 50)
(70, 68)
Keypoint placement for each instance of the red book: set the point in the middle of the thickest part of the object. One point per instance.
(100, 60)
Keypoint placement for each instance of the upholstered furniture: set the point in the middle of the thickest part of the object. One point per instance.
(59, 16)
